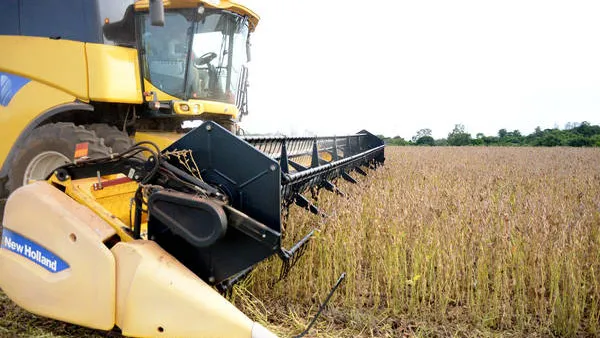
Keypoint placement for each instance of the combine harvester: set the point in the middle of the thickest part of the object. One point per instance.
(116, 216)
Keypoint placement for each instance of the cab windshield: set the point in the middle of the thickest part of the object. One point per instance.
(195, 56)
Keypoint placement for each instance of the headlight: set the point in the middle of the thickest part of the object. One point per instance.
(259, 331)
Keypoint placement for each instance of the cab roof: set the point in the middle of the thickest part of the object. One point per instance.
(253, 18)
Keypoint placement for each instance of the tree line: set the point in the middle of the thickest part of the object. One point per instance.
(574, 134)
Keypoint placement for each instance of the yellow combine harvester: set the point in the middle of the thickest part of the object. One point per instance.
(117, 215)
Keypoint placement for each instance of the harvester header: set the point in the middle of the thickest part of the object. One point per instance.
(212, 193)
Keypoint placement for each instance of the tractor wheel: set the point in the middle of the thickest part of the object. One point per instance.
(118, 140)
(48, 147)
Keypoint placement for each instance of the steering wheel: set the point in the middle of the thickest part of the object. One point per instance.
(204, 59)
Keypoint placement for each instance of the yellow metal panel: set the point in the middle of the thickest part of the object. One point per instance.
(161, 139)
(220, 108)
(57, 63)
(84, 292)
(80, 191)
(117, 199)
(198, 107)
(114, 74)
(159, 297)
(201, 106)
(30, 101)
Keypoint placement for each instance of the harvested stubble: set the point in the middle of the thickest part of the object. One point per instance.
(439, 241)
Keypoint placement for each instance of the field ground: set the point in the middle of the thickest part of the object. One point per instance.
(466, 242)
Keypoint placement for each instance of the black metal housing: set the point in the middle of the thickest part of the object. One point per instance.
(198, 221)
(259, 175)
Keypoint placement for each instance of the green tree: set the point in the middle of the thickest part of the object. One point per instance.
(502, 133)
(586, 129)
(513, 138)
(491, 140)
(477, 141)
(421, 133)
(458, 136)
(397, 141)
(442, 142)
(425, 141)
(550, 140)
(580, 141)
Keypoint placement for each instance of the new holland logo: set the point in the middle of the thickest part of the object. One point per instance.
(10, 84)
(36, 253)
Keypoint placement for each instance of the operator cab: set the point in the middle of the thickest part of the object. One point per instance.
(193, 65)
(195, 56)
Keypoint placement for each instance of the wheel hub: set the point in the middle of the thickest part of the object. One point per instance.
(42, 165)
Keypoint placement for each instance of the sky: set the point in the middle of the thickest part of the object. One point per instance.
(395, 67)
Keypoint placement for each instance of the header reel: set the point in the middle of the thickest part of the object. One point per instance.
(214, 200)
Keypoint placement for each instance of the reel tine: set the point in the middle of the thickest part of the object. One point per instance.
(360, 171)
(304, 203)
(348, 178)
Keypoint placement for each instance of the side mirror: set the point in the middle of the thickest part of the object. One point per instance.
(157, 13)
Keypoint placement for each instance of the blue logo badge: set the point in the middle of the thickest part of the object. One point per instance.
(10, 84)
(36, 253)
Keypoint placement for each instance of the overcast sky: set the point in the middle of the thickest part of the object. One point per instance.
(335, 67)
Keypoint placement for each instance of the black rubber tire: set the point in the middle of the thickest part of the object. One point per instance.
(118, 140)
(61, 137)
(3, 188)
(3, 196)
(2, 205)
